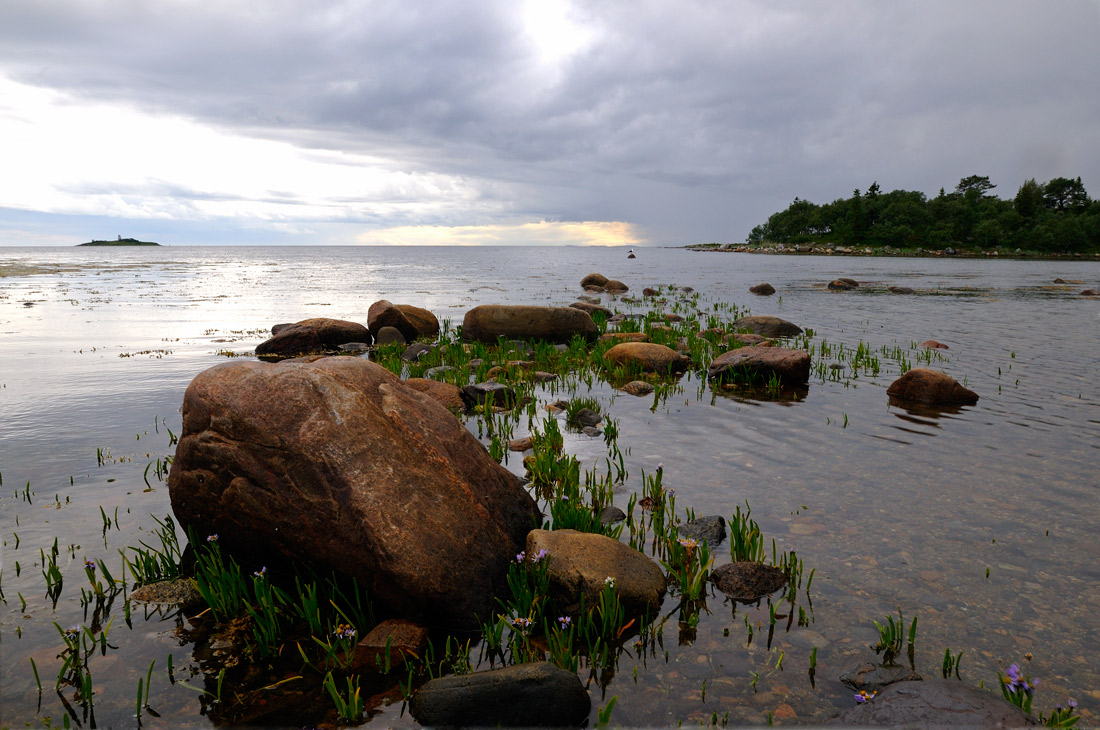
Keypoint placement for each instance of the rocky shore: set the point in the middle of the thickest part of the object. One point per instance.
(830, 249)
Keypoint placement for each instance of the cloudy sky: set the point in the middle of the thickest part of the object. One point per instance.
(520, 121)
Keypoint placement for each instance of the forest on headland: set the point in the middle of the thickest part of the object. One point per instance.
(1052, 217)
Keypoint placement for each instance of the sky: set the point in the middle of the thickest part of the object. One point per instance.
(609, 122)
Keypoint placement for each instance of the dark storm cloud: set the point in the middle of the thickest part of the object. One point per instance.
(694, 119)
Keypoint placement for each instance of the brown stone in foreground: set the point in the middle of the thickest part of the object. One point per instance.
(488, 322)
(398, 636)
(339, 465)
(593, 279)
(615, 286)
(929, 705)
(767, 326)
(932, 344)
(649, 357)
(759, 362)
(384, 313)
(922, 385)
(765, 289)
(1089, 293)
(426, 323)
(312, 335)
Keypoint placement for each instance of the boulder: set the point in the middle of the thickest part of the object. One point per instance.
(710, 529)
(386, 314)
(426, 323)
(748, 582)
(614, 286)
(277, 328)
(397, 638)
(767, 326)
(650, 292)
(758, 362)
(339, 465)
(617, 337)
(445, 394)
(764, 290)
(931, 387)
(1089, 293)
(487, 322)
(932, 344)
(921, 705)
(593, 280)
(537, 694)
(649, 357)
(592, 308)
(638, 388)
(497, 394)
(389, 336)
(311, 336)
(580, 562)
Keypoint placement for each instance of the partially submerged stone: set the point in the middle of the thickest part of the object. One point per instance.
(870, 677)
(748, 582)
(389, 643)
(638, 388)
(488, 322)
(929, 705)
(594, 279)
(931, 387)
(759, 363)
(617, 337)
(538, 694)
(710, 529)
(592, 308)
(349, 470)
(767, 326)
(764, 289)
(932, 344)
(496, 394)
(309, 336)
(648, 357)
(179, 592)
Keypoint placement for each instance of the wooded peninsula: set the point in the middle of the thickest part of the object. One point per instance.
(1045, 218)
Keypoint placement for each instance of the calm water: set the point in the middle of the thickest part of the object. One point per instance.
(892, 509)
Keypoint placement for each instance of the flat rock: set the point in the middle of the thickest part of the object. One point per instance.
(488, 322)
(647, 356)
(747, 338)
(931, 387)
(538, 694)
(580, 562)
(932, 344)
(900, 290)
(638, 388)
(415, 351)
(710, 529)
(871, 677)
(617, 337)
(312, 336)
(398, 637)
(179, 592)
(748, 582)
(765, 289)
(339, 465)
(521, 444)
(758, 362)
(929, 705)
(767, 326)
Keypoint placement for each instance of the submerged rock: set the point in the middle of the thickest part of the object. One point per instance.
(748, 582)
(538, 694)
(929, 705)
(592, 308)
(932, 344)
(638, 388)
(899, 290)
(758, 363)
(488, 322)
(497, 394)
(390, 641)
(922, 385)
(648, 357)
(349, 470)
(870, 677)
(765, 289)
(710, 529)
(767, 326)
(311, 336)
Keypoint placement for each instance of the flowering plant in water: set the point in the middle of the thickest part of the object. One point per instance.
(865, 696)
(1018, 688)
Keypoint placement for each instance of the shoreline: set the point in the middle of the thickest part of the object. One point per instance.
(867, 251)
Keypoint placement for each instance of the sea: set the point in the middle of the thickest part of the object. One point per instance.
(982, 522)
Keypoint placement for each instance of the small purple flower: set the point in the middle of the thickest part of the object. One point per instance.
(1072, 704)
(564, 622)
(689, 543)
(609, 582)
(522, 623)
(541, 554)
(261, 572)
(864, 696)
(73, 631)
(521, 556)
(89, 565)
(212, 538)
(344, 631)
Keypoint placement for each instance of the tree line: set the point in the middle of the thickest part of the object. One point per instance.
(1054, 216)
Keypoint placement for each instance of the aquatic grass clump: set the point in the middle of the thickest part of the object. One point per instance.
(746, 540)
(688, 565)
(891, 634)
(154, 564)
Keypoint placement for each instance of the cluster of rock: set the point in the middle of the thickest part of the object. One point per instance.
(387, 323)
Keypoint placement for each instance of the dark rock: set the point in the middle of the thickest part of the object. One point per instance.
(336, 464)
(767, 326)
(592, 308)
(594, 280)
(591, 431)
(673, 318)
(445, 394)
(710, 529)
(586, 417)
(611, 514)
(353, 347)
(426, 323)
(764, 290)
(932, 344)
(312, 336)
(277, 328)
(438, 371)
(687, 289)
(1059, 280)
(758, 362)
(949, 251)
(497, 394)
(922, 385)
(397, 637)
(487, 322)
(650, 292)
(873, 677)
(899, 290)
(748, 582)
(415, 351)
(631, 256)
(617, 337)
(580, 562)
(747, 339)
(841, 285)
(638, 387)
(929, 705)
(389, 336)
(647, 356)
(386, 314)
(538, 694)
(849, 282)
(1090, 293)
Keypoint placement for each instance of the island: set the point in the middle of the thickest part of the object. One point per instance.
(120, 242)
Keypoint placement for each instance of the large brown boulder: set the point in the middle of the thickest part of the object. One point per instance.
(426, 323)
(487, 322)
(594, 279)
(384, 313)
(447, 395)
(312, 335)
(580, 562)
(759, 362)
(338, 465)
(647, 356)
(931, 387)
(767, 326)
(592, 308)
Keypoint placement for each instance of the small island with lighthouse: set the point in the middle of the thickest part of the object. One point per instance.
(120, 242)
